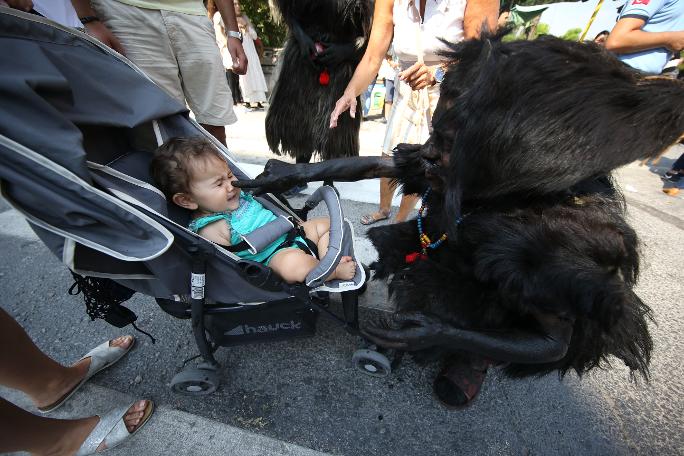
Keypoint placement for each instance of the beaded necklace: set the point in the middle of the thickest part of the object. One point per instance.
(425, 241)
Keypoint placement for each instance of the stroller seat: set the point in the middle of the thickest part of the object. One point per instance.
(74, 158)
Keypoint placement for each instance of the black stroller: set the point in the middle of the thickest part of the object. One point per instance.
(78, 123)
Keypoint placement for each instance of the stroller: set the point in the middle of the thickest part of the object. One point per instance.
(78, 124)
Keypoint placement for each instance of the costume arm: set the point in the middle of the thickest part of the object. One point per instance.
(425, 331)
(278, 176)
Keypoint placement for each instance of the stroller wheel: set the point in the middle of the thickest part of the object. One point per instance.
(371, 363)
(195, 382)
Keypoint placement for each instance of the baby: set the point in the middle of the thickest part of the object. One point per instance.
(193, 175)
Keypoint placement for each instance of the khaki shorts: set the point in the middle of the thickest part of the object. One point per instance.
(178, 52)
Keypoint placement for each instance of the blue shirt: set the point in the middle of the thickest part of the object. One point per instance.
(660, 16)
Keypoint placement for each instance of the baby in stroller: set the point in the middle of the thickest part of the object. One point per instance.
(193, 175)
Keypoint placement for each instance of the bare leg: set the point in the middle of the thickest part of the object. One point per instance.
(217, 131)
(407, 205)
(386, 195)
(24, 367)
(388, 109)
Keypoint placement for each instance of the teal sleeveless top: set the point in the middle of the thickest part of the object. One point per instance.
(249, 216)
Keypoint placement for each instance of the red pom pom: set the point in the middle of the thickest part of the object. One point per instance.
(415, 256)
(324, 78)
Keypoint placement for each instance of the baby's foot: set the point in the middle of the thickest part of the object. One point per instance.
(345, 270)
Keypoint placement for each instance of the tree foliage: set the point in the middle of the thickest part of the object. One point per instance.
(271, 33)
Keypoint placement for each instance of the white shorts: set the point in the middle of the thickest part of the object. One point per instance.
(178, 52)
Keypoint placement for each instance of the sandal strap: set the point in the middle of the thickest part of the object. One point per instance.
(111, 429)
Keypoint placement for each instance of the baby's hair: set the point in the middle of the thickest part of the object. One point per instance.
(175, 161)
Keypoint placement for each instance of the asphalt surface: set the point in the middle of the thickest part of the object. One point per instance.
(303, 396)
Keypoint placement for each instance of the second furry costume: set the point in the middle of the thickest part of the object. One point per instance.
(326, 41)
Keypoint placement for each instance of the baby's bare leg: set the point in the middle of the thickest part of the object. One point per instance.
(317, 230)
(293, 264)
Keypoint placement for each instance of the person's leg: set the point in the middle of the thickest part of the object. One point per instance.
(24, 367)
(217, 131)
(293, 265)
(386, 195)
(317, 230)
(201, 70)
(406, 207)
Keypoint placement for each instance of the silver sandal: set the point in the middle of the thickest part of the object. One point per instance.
(111, 429)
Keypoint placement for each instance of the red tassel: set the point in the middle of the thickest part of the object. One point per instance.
(415, 256)
(324, 77)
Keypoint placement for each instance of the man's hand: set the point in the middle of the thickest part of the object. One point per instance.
(676, 44)
(98, 30)
(23, 5)
(277, 177)
(417, 332)
(418, 76)
(237, 53)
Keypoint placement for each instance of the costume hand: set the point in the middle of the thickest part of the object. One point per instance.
(418, 76)
(98, 30)
(417, 332)
(277, 176)
(346, 102)
(334, 54)
(237, 53)
(23, 5)
(304, 41)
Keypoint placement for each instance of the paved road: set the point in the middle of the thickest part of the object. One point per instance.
(302, 397)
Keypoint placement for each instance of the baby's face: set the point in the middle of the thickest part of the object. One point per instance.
(212, 189)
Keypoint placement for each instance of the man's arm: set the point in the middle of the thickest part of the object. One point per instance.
(627, 36)
(95, 28)
(477, 13)
(227, 11)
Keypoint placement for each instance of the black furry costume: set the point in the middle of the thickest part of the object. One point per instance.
(300, 107)
(539, 266)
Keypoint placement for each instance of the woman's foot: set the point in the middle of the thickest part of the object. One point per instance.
(345, 270)
(375, 217)
(60, 387)
(74, 436)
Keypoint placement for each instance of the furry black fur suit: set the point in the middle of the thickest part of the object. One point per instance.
(539, 266)
(326, 41)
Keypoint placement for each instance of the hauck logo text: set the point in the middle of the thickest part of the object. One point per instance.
(273, 327)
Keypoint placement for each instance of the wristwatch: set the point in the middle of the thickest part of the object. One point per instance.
(439, 75)
(234, 34)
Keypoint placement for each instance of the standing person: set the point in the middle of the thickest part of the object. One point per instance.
(648, 33)
(417, 26)
(173, 42)
(222, 42)
(252, 84)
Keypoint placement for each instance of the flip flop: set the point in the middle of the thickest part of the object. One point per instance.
(101, 357)
(370, 219)
(111, 429)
